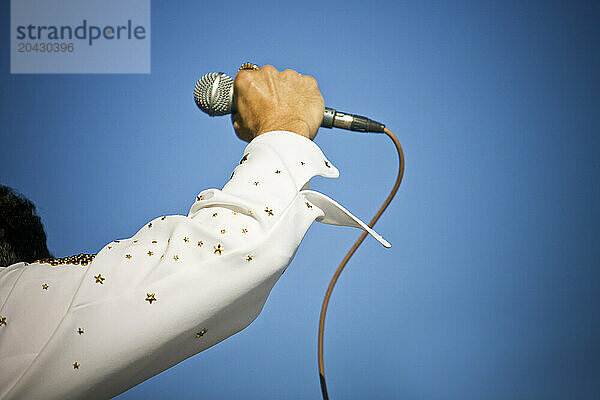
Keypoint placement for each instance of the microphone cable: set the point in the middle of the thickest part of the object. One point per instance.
(352, 250)
(213, 94)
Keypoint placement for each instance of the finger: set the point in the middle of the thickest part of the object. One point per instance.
(242, 77)
(236, 120)
(239, 129)
(310, 81)
(269, 69)
(290, 73)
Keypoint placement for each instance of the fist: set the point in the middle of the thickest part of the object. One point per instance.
(268, 100)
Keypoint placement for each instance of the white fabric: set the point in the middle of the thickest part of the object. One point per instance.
(178, 286)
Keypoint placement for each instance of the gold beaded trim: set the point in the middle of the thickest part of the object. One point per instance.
(78, 259)
(250, 66)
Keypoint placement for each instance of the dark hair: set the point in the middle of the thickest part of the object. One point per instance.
(22, 236)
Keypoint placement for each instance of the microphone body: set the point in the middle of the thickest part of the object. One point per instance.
(213, 94)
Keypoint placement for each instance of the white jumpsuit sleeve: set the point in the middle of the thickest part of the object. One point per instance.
(94, 326)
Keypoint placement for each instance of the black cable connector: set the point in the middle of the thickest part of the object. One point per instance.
(364, 124)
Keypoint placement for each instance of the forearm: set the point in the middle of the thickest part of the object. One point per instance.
(194, 280)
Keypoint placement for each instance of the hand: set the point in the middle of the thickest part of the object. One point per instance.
(268, 100)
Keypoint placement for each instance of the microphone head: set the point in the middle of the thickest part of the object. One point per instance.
(213, 93)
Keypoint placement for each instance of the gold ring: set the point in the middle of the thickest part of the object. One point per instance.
(249, 66)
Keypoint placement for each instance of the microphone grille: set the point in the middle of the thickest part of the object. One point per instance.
(213, 93)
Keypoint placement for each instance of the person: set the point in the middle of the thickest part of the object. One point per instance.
(94, 326)
(22, 236)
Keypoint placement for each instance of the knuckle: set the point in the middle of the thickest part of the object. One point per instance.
(268, 68)
(310, 80)
(242, 78)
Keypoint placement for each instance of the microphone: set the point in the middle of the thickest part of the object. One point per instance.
(213, 94)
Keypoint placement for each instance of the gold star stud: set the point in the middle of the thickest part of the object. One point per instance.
(308, 204)
(200, 243)
(150, 225)
(150, 297)
(186, 239)
(109, 247)
(244, 159)
(215, 214)
(301, 162)
(150, 253)
(80, 331)
(244, 230)
(278, 172)
(175, 257)
(218, 249)
(76, 365)
(100, 279)
(163, 218)
(199, 198)
(128, 256)
(2, 320)
(269, 211)
(223, 231)
(201, 333)
(256, 183)
(234, 212)
(45, 286)
(249, 258)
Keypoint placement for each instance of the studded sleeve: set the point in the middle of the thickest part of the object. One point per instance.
(96, 325)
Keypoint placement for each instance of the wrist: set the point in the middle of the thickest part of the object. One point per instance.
(297, 126)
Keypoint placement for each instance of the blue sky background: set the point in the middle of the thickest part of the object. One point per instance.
(491, 288)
